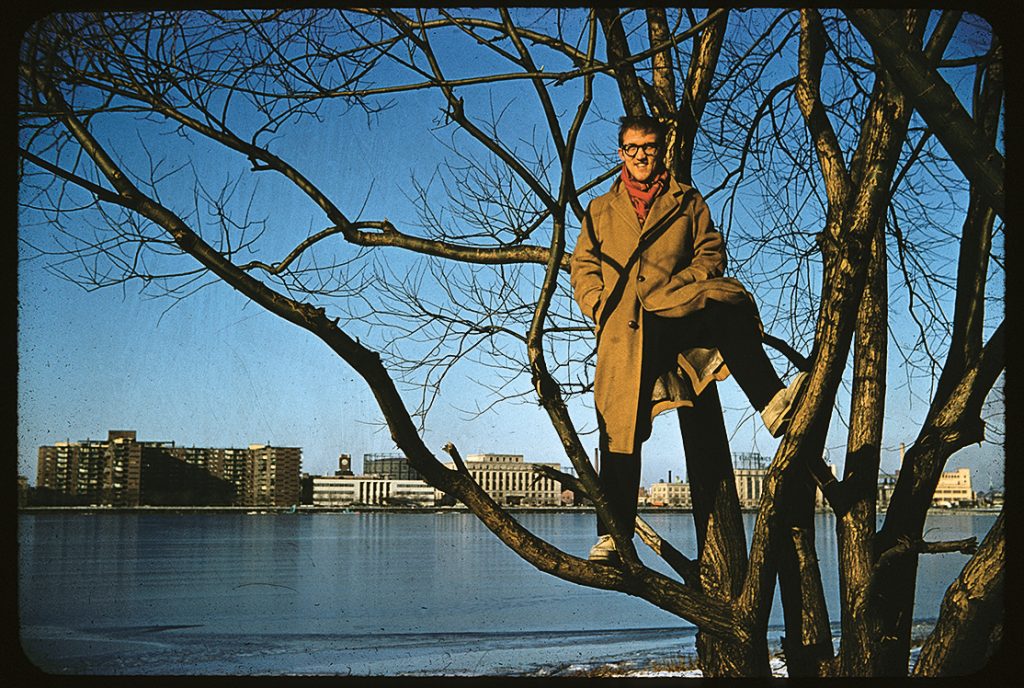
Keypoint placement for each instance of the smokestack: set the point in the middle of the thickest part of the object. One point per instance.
(670, 476)
(903, 449)
(597, 460)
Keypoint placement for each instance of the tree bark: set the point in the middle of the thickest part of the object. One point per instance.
(970, 625)
(855, 527)
(663, 94)
(703, 62)
(807, 643)
(721, 541)
(618, 56)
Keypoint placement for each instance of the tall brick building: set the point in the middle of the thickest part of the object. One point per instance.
(94, 471)
(273, 476)
(122, 471)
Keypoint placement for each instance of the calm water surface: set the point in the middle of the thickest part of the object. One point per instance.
(359, 593)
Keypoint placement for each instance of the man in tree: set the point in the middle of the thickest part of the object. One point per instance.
(647, 269)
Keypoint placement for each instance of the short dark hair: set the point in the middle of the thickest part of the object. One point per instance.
(644, 123)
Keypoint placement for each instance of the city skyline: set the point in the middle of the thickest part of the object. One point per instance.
(124, 471)
(741, 461)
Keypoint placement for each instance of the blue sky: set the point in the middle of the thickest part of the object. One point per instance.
(215, 370)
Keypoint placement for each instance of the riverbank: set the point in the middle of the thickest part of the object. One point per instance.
(681, 668)
(687, 666)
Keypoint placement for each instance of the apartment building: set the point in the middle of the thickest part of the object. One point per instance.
(272, 476)
(180, 476)
(123, 471)
(94, 471)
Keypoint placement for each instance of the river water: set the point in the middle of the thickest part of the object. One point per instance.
(356, 593)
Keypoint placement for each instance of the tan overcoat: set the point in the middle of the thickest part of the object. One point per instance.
(671, 267)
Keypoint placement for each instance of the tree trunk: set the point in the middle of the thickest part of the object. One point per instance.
(970, 625)
(855, 526)
(949, 427)
(721, 541)
(807, 643)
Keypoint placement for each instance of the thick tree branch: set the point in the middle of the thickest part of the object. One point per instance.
(619, 58)
(905, 546)
(951, 425)
(971, 619)
(451, 450)
(935, 100)
(975, 246)
(830, 155)
(701, 70)
(662, 74)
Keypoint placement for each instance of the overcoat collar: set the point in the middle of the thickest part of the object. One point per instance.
(664, 204)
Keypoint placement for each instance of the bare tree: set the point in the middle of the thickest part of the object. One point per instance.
(790, 106)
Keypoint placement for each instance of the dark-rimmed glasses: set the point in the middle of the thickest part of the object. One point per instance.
(631, 149)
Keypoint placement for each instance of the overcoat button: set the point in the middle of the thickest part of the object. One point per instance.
(640, 278)
(633, 324)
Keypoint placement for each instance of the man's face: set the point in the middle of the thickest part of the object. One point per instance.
(642, 165)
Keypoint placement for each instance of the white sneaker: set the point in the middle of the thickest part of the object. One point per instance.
(779, 411)
(604, 551)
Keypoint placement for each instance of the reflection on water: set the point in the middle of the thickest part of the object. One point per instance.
(374, 593)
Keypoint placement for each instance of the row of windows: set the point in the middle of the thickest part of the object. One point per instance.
(518, 480)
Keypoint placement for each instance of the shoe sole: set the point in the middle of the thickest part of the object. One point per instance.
(798, 392)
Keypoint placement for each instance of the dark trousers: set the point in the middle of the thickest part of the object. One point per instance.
(733, 330)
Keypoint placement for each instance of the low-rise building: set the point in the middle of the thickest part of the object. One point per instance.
(394, 466)
(365, 490)
(954, 489)
(670, 494)
(511, 481)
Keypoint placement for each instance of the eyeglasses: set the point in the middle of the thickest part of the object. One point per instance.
(631, 149)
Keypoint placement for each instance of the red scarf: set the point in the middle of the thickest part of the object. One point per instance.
(642, 194)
